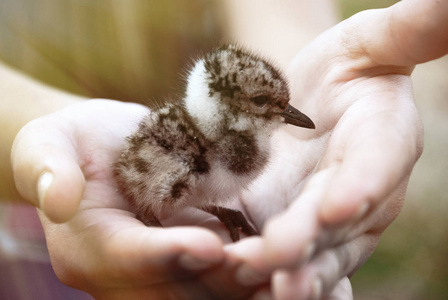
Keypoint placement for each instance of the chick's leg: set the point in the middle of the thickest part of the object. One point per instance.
(233, 219)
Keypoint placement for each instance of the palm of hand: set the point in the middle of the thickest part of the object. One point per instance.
(336, 189)
(357, 111)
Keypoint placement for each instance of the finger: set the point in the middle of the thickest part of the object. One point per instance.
(244, 273)
(342, 290)
(378, 154)
(46, 171)
(252, 269)
(408, 33)
(161, 253)
(125, 253)
(320, 276)
(289, 237)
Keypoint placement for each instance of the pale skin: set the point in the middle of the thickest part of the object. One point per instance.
(376, 137)
(353, 81)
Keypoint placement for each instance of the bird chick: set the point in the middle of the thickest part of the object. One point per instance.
(211, 145)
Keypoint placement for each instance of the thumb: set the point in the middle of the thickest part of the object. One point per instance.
(46, 169)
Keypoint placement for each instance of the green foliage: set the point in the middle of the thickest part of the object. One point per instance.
(351, 7)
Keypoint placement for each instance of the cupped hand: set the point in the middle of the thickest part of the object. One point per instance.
(340, 186)
(63, 164)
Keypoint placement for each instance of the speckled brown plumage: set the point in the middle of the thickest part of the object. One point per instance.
(208, 147)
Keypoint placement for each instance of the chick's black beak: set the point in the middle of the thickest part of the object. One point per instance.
(293, 116)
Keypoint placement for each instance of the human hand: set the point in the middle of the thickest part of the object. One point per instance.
(321, 153)
(354, 82)
(101, 248)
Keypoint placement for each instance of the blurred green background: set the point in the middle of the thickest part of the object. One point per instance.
(108, 49)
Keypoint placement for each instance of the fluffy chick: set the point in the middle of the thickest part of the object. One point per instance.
(211, 145)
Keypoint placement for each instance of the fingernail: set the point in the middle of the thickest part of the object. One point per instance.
(45, 181)
(316, 289)
(193, 263)
(247, 276)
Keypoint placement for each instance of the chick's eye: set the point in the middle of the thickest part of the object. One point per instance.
(260, 100)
